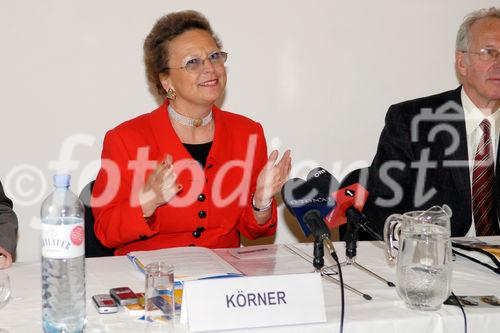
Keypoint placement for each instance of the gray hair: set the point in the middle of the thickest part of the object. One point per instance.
(462, 43)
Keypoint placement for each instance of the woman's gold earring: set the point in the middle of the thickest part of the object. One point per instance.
(171, 94)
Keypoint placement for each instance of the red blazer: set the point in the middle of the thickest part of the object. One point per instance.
(141, 143)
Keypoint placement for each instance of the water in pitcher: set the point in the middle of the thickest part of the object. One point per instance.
(424, 266)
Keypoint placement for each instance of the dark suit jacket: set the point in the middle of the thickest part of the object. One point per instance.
(422, 161)
(8, 224)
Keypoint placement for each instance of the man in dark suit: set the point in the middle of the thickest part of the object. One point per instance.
(8, 230)
(441, 149)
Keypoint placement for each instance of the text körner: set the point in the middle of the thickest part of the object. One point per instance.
(255, 299)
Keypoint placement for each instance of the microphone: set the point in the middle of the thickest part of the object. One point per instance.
(326, 184)
(323, 181)
(309, 203)
(309, 207)
(302, 200)
(350, 201)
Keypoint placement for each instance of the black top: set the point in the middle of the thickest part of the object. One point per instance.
(199, 151)
(8, 224)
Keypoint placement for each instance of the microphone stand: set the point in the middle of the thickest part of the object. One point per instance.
(323, 271)
(354, 222)
(318, 251)
(351, 240)
(321, 240)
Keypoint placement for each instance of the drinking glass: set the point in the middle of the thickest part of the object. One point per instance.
(4, 294)
(159, 296)
(4, 288)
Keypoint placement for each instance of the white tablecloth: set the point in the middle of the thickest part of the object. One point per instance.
(385, 313)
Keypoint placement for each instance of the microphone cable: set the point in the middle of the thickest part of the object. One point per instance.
(462, 309)
(486, 253)
(331, 250)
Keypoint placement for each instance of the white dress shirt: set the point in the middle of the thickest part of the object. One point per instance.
(473, 117)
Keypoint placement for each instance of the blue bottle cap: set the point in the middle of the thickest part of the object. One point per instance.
(62, 180)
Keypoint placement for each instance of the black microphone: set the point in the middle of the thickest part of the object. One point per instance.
(323, 181)
(299, 197)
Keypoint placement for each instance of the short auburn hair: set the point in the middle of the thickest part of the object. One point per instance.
(156, 53)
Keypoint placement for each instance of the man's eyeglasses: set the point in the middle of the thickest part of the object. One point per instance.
(217, 58)
(485, 54)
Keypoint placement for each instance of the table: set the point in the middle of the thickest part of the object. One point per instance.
(385, 313)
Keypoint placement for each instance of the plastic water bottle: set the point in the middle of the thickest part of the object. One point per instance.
(63, 260)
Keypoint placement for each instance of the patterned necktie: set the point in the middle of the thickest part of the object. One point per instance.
(483, 175)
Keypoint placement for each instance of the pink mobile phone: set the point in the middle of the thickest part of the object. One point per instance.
(123, 295)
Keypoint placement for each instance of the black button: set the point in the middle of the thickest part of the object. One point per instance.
(202, 214)
(198, 231)
(143, 237)
(210, 166)
(201, 197)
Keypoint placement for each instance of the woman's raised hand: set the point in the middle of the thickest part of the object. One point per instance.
(272, 177)
(161, 186)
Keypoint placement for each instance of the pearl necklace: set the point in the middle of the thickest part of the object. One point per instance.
(193, 122)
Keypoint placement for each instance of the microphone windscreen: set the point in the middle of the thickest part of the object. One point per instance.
(301, 197)
(292, 191)
(352, 196)
(328, 185)
(297, 195)
(323, 181)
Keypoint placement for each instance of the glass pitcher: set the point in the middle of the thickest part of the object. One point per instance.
(424, 264)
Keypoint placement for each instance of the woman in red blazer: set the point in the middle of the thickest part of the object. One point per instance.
(187, 173)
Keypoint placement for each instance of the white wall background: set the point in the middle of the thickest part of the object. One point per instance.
(318, 74)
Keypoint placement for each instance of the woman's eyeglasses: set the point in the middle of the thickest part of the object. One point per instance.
(217, 58)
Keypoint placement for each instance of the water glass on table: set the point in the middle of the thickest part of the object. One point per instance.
(159, 295)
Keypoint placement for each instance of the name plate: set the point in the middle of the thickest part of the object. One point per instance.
(243, 302)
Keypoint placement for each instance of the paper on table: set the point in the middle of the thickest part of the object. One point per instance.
(190, 263)
(276, 260)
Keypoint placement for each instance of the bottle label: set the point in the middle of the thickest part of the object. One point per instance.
(63, 241)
